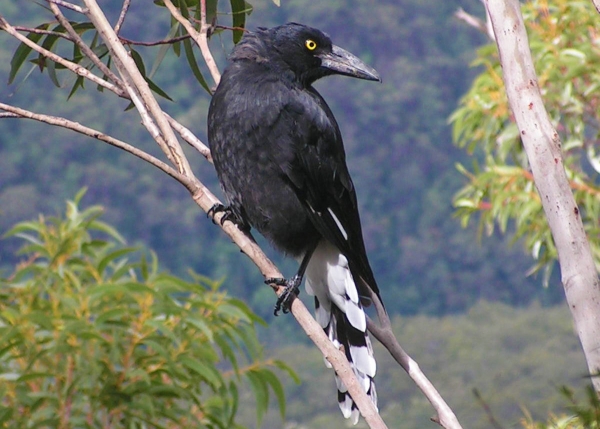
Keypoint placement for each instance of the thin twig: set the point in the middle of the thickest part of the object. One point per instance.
(87, 51)
(159, 42)
(68, 5)
(75, 68)
(200, 38)
(16, 112)
(384, 334)
(225, 27)
(190, 138)
(40, 31)
(122, 15)
(472, 21)
(487, 409)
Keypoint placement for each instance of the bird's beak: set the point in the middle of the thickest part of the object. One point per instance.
(340, 61)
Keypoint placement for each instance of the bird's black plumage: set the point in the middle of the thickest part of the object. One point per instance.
(279, 155)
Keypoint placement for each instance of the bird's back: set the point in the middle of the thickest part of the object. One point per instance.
(253, 133)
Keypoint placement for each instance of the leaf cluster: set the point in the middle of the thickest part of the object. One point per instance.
(94, 336)
(563, 39)
(585, 415)
(55, 38)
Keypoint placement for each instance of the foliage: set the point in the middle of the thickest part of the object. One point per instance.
(563, 37)
(95, 335)
(584, 416)
(176, 39)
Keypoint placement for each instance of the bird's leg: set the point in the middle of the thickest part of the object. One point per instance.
(292, 285)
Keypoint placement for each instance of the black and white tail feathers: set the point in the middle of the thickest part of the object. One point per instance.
(339, 311)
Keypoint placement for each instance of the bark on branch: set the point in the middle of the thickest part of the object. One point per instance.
(543, 148)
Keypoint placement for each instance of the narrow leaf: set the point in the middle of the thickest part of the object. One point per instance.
(189, 54)
(238, 17)
(22, 53)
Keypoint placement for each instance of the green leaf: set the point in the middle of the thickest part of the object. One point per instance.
(189, 54)
(211, 10)
(35, 375)
(277, 387)
(154, 87)
(207, 372)
(162, 51)
(238, 17)
(261, 394)
(78, 84)
(114, 255)
(52, 73)
(23, 52)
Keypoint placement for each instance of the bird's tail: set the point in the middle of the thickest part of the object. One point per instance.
(339, 311)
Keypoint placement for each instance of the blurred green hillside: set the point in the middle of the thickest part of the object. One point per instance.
(398, 144)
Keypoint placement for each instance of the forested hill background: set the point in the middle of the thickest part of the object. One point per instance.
(398, 143)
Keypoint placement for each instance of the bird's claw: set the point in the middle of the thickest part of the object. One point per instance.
(217, 208)
(228, 215)
(291, 291)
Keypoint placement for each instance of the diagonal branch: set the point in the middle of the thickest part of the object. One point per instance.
(121, 20)
(206, 200)
(16, 112)
(190, 138)
(384, 334)
(87, 51)
(139, 90)
(201, 38)
(68, 5)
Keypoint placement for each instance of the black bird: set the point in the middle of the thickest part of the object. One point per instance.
(279, 155)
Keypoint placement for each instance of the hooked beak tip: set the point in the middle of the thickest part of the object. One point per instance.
(342, 62)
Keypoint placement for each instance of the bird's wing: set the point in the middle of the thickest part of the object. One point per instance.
(319, 175)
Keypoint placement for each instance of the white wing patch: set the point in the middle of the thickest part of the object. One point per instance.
(338, 223)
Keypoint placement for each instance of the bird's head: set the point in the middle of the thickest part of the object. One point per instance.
(310, 55)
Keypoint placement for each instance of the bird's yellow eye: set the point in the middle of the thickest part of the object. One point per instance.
(310, 44)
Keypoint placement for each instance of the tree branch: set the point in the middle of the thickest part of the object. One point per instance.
(68, 5)
(136, 84)
(543, 149)
(200, 38)
(16, 112)
(190, 138)
(159, 42)
(384, 334)
(473, 21)
(85, 49)
(206, 200)
(122, 15)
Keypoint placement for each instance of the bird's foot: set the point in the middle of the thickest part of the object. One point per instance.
(228, 215)
(291, 291)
